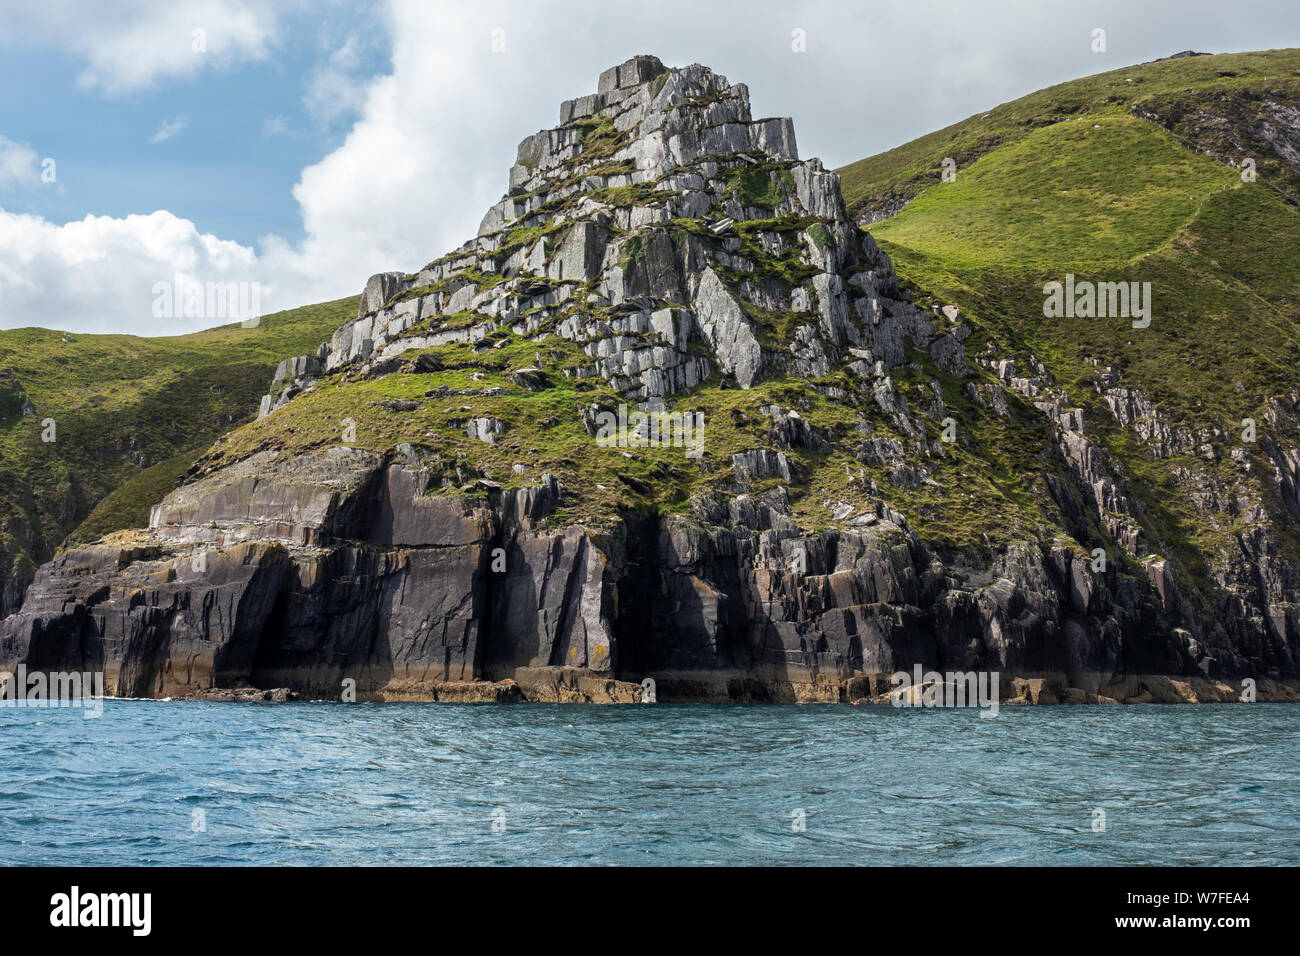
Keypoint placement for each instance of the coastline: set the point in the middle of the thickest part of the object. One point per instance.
(570, 686)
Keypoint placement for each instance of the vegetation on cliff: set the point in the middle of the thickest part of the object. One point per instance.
(129, 415)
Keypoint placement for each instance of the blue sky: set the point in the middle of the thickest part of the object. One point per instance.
(314, 143)
(245, 134)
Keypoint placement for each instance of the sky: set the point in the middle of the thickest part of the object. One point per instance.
(299, 146)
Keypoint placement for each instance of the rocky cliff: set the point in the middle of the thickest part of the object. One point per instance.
(434, 505)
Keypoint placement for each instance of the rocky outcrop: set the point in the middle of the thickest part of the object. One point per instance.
(14, 402)
(729, 333)
(600, 241)
(310, 572)
(1255, 122)
(669, 241)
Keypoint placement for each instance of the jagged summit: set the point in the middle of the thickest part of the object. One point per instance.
(667, 231)
(639, 69)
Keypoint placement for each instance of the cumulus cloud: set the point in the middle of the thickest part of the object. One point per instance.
(431, 148)
(104, 274)
(127, 45)
(169, 128)
(427, 155)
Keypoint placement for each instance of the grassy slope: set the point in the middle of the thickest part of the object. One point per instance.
(124, 407)
(545, 431)
(988, 484)
(903, 172)
(1073, 179)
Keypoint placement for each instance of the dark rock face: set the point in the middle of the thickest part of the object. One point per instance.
(1260, 123)
(357, 575)
(354, 574)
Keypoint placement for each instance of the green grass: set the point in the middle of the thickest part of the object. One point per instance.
(1058, 199)
(122, 405)
(903, 172)
(1102, 178)
(128, 505)
(545, 434)
(760, 186)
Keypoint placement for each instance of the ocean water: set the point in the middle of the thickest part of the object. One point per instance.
(320, 783)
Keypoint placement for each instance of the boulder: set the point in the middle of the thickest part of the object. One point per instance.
(379, 289)
(728, 331)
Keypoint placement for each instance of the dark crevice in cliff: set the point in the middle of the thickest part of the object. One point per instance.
(640, 597)
(569, 647)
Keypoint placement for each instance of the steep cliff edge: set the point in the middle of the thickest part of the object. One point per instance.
(668, 415)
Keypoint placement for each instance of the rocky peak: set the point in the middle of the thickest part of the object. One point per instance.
(653, 120)
(638, 70)
(671, 235)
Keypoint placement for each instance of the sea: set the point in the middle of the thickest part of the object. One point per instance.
(217, 784)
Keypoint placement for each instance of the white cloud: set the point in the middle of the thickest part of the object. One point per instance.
(128, 44)
(419, 167)
(432, 141)
(169, 128)
(17, 164)
(100, 274)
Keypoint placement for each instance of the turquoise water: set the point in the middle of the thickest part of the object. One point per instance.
(308, 783)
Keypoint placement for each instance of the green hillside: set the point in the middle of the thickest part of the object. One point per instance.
(1107, 178)
(129, 414)
(1210, 102)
